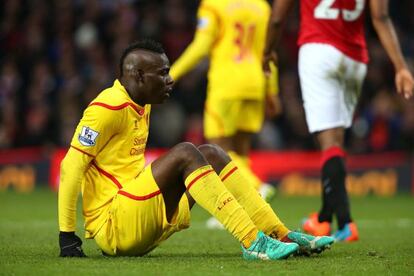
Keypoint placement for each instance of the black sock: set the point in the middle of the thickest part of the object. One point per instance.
(334, 195)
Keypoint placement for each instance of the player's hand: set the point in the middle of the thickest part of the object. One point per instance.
(273, 106)
(404, 82)
(70, 245)
(267, 59)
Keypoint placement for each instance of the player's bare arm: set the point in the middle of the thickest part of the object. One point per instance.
(280, 11)
(273, 106)
(387, 35)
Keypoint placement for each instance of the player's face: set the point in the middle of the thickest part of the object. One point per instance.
(157, 84)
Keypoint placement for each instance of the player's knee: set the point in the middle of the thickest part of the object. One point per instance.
(187, 151)
(210, 150)
(214, 153)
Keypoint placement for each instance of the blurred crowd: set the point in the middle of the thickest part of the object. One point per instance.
(56, 56)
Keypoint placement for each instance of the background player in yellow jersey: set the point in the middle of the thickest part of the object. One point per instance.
(232, 33)
(130, 208)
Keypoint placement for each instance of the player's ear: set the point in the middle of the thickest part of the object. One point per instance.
(141, 75)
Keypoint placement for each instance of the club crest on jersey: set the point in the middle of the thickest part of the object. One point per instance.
(87, 137)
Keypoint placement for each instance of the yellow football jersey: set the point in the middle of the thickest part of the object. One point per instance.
(114, 131)
(234, 32)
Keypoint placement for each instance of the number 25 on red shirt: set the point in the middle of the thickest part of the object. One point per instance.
(325, 10)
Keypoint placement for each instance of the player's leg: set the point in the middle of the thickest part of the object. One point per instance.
(206, 188)
(242, 141)
(235, 181)
(221, 122)
(238, 147)
(225, 143)
(231, 124)
(321, 78)
(143, 209)
(185, 162)
(220, 117)
(333, 150)
(257, 208)
(248, 122)
(334, 195)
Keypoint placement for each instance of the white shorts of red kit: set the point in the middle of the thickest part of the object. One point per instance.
(331, 84)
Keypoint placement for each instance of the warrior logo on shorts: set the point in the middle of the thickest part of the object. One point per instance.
(87, 137)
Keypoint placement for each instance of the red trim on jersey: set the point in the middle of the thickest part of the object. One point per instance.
(134, 197)
(229, 173)
(140, 111)
(198, 177)
(107, 174)
(121, 192)
(78, 149)
(331, 153)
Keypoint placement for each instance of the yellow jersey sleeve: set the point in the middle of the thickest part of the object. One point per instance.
(94, 130)
(97, 126)
(72, 170)
(205, 36)
(208, 19)
(272, 81)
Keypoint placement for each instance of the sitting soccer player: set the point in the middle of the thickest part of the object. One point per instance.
(130, 209)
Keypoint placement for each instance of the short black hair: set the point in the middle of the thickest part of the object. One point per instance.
(143, 44)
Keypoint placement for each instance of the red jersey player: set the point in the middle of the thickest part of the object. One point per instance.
(332, 66)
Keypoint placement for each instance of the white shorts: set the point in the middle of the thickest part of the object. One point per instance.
(331, 83)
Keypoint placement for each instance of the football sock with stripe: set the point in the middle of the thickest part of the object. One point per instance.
(256, 207)
(208, 191)
(334, 195)
(243, 164)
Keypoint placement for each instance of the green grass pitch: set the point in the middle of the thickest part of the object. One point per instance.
(29, 244)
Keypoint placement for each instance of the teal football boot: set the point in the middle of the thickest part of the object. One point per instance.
(309, 244)
(266, 248)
